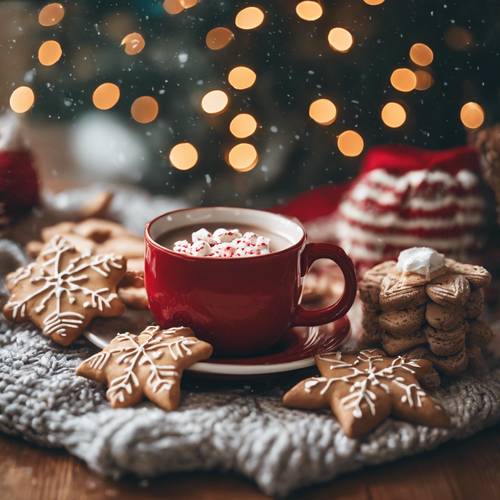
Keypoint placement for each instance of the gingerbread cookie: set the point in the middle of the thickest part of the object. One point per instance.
(397, 345)
(446, 343)
(449, 290)
(369, 285)
(103, 236)
(146, 365)
(443, 318)
(363, 390)
(403, 323)
(426, 301)
(396, 293)
(64, 289)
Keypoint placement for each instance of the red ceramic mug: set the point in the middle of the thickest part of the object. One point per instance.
(242, 305)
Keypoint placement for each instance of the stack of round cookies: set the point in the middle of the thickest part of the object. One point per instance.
(426, 306)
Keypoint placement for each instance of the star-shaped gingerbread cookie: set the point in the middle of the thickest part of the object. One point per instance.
(363, 389)
(149, 364)
(64, 289)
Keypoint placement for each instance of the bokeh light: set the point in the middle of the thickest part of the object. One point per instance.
(472, 115)
(22, 99)
(243, 157)
(133, 43)
(51, 14)
(49, 52)
(309, 10)
(173, 7)
(403, 79)
(106, 95)
(188, 4)
(340, 39)
(243, 125)
(241, 77)
(374, 2)
(323, 111)
(218, 38)
(249, 18)
(144, 109)
(350, 143)
(421, 54)
(424, 79)
(214, 102)
(393, 114)
(183, 156)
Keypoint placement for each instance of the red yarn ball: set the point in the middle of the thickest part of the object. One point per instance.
(19, 188)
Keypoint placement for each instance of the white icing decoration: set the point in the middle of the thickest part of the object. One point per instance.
(62, 283)
(420, 260)
(134, 354)
(362, 379)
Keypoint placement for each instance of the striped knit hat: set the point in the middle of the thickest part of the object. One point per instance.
(404, 197)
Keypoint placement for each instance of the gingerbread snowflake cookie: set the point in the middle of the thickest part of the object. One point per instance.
(363, 389)
(149, 364)
(104, 236)
(428, 302)
(64, 289)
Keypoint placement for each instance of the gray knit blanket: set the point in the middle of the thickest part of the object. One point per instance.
(240, 427)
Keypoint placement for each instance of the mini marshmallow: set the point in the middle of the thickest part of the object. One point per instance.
(250, 237)
(223, 250)
(182, 246)
(223, 235)
(200, 248)
(202, 235)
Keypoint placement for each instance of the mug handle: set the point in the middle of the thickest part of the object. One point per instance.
(315, 251)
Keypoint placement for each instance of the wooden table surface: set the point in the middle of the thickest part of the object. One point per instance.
(466, 469)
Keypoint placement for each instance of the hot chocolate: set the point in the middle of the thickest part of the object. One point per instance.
(211, 240)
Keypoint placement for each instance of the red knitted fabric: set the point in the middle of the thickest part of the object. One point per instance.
(403, 197)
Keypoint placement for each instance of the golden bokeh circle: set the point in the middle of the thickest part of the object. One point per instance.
(183, 156)
(49, 52)
(188, 4)
(22, 99)
(374, 2)
(218, 38)
(243, 125)
(421, 54)
(133, 43)
(424, 79)
(106, 95)
(323, 111)
(393, 114)
(243, 157)
(51, 14)
(144, 109)
(249, 18)
(173, 7)
(472, 115)
(241, 77)
(350, 143)
(340, 39)
(403, 79)
(309, 10)
(214, 102)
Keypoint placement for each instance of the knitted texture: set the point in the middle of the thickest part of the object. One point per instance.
(242, 428)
